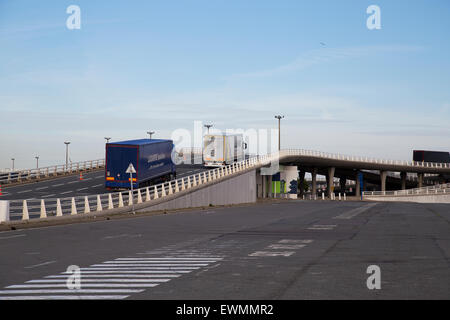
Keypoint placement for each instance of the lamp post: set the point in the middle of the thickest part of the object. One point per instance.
(150, 133)
(13, 163)
(279, 122)
(67, 153)
(37, 162)
(208, 126)
(107, 139)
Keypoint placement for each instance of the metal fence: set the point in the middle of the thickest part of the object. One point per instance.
(52, 171)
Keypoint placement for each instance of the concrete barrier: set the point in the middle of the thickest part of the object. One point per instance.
(4, 210)
(426, 198)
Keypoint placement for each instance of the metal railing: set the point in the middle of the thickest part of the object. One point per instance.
(436, 189)
(52, 171)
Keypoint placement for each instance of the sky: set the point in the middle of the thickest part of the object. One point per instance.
(135, 66)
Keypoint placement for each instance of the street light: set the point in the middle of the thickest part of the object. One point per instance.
(208, 126)
(67, 153)
(150, 133)
(13, 163)
(37, 162)
(107, 139)
(279, 142)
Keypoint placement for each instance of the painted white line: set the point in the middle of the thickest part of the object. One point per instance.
(57, 185)
(352, 213)
(133, 271)
(177, 258)
(98, 177)
(87, 179)
(24, 191)
(84, 285)
(322, 227)
(286, 246)
(15, 236)
(72, 182)
(40, 264)
(48, 195)
(41, 188)
(97, 185)
(99, 280)
(96, 297)
(139, 268)
(144, 276)
(271, 254)
(66, 192)
(295, 241)
(82, 189)
(147, 264)
(71, 291)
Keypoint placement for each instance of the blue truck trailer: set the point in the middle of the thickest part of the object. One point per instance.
(151, 159)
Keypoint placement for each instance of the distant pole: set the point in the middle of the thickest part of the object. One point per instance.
(67, 153)
(208, 126)
(107, 139)
(37, 162)
(150, 133)
(279, 132)
(13, 163)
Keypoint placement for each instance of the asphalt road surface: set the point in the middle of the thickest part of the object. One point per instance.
(71, 186)
(283, 250)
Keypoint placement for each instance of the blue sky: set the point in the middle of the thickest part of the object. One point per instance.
(136, 66)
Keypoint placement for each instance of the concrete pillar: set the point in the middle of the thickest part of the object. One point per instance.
(403, 177)
(342, 183)
(301, 188)
(357, 185)
(383, 175)
(314, 182)
(420, 180)
(330, 179)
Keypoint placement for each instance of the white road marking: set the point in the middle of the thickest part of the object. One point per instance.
(15, 236)
(24, 191)
(138, 267)
(97, 177)
(41, 188)
(133, 271)
(352, 213)
(97, 185)
(40, 264)
(28, 291)
(66, 192)
(87, 179)
(85, 285)
(72, 182)
(150, 264)
(96, 297)
(173, 258)
(57, 185)
(271, 254)
(294, 241)
(82, 189)
(48, 195)
(149, 276)
(286, 246)
(99, 280)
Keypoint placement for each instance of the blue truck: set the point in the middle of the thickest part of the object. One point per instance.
(151, 159)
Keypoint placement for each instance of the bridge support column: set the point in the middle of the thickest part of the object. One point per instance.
(383, 175)
(403, 177)
(330, 181)
(342, 183)
(357, 185)
(420, 180)
(301, 188)
(314, 182)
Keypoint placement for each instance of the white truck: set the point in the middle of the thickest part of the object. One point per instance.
(220, 150)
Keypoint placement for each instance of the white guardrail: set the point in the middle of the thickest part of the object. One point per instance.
(30, 174)
(436, 189)
(40, 208)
